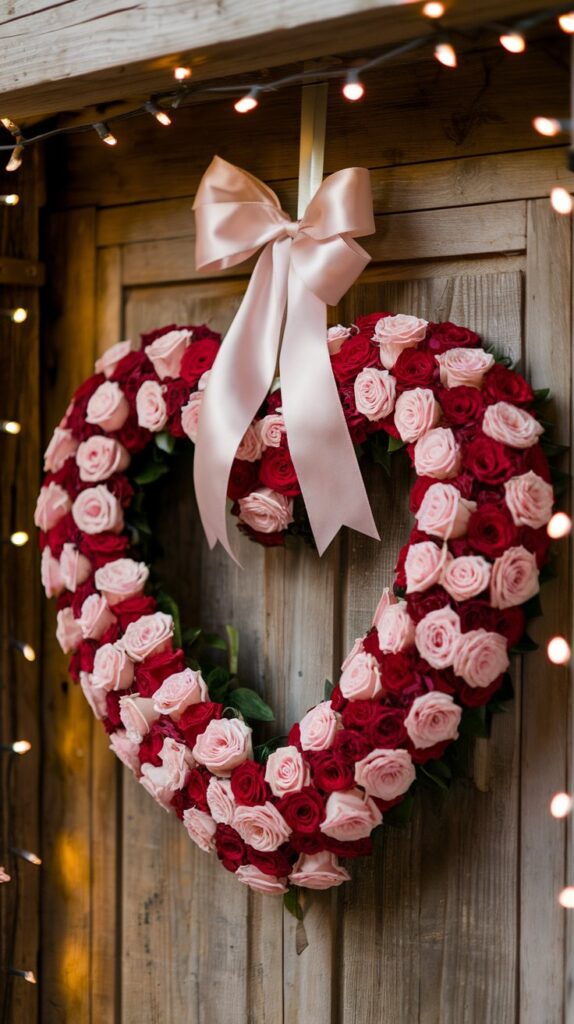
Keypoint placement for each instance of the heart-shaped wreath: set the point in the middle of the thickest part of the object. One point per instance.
(427, 670)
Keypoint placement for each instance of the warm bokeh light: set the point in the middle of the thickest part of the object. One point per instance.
(561, 200)
(105, 134)
(32, 858)
(21, 746)
(163, 118)
(10, 200)
(566, 897)
(445, 54)
(558, 650)
(180, 74)
(30, 977)
(560, 805)
(19, 538)
(433, 9)
(19, 315)
(548, 126)
(10, 427)
(15, 160)
(566, 22)
(353, 90)
(246, 103)
(513, 42)
(559, 526)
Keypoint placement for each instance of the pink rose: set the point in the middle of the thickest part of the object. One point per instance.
(166, 352)
(62, 445)
(464, 366)
(51, 574)
(251, 447)
(108, 407)
(396, 629)
(202, 382)
(74, 567)
(511, 425)
(177, 760)
(190, 415)
(112, 670)
(433, 718)
(99, 457)
(97, 510)
(150, 406)
(221, 801)
(261, 826)
(121, 579)
(225, 743)
(318, 871)
(480, 657)
(95, 617)
(335, 338)
(286, 771)
(356, 649)
(437, 454)
(416, 412)
(529, 499)
(424, 565)
(514, 578)
(466, 576)
(258, 881)
(350, 814)
(375, 393)
(108, 361)
(318, 727)
(178, 692)
(200, 827)
(95, 698)
(443, 512)
(396, 333)
(148, 635)
(137, 714)
(53, 503)
(125, 750)
(272, 430)
(387, 598)
(386, 774)
(68, 632)
(361, 679)
(266, 511)
(437, 636)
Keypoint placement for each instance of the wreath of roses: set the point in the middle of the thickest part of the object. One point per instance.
(433, 665)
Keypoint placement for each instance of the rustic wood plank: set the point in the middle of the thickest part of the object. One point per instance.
(546, 735)
(27, 272)
(109, 311)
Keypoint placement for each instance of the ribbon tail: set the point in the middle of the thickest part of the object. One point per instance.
(318, 436)
(238, 383)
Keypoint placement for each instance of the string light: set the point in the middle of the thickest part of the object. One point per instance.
(566, 22)
(559, 526)
(561, 200)
(9, 125)
(10, 427)
(353, 89)
(248, 102)
(560, 805)
(27, 855)
(513, 42)
(433, 9)
(25, 649)
(28, 976)
(445, 54)
(18, 747)
(566, 897)
(180, 74)
(558, 650)
(548, 126)
(19, 538)
(160, 115)
(12, 199)
(15, 160)
(105, 134)
(17, 316)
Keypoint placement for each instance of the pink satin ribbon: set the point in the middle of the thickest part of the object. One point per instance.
(304, 266)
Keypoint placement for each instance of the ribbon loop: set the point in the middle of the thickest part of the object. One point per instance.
(304, 266)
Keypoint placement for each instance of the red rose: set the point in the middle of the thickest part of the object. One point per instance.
(422, 755)
(303, 843)
(132, 608)
(536, 541)
(303, 811)
(418, 491)
(366, 324)
(476, 696)
(196, 718)
(150, 746)
(347, 848)
(277, 471)
(415, 368)
(197, 358)
(101, 548)
(149, 337)
(388, 729)
(488, 460)
(176, 396)
(491, 531)
(121, 488)
(351, 745)
(355, 354)
(64, 532)
(509, 622)
(68, 477)
(461, 405)
(337, 700)
(194, 793)
(442, 337)
(429, 679)
(276, 863)
(113, 708)
(151, 673)
(465, 482)
(132, 436)
(371, 644)
(112, 634)
(358, 425)
(503, 385)
(230, 847)
(242, 479)
(420, 604)
(131, 370)
(397, 672)
(360, 714)
(535, 459)
(273, 402)
(76, 418)
(294, 737)
(83, 591)
(248, 784)
(331, 771)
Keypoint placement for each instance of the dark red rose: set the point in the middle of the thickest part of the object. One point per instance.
(351, 745)
(196, 718)
(337, 700)
(354, 355)
(331, 771)
(150, 746)
(194, 793)
(415, 368)
(68, 477)
(429, 679)
(536, 541)
(475, 615)
(197, 358)
(442, 337)
(421, 603)
(276, 863)
(366, 324)
(64, 532)
(358, 425)
(176, 396)
(398, 672)
(294, 737)
(303, 811)
(347, 848)
(371, 644)
(113, 708)
(267, 540)
(111, 634)
(302, 843)
(277, 471)
(83, 591)
(201, 331)
(360, 714)
(131, 370)
(488, 460)
(230, 847)
(242, 479)
(132, 436)
(510, 622)
(476, 696)
(76, 418)
(388, 729)
(84, 392)
(248, 784)
(101, 548)
(133, 608)
(461, 405)
(422, 755)
(535, 459)
(121, 488)
(418, 491)
(491, 531)
(151, 673)
(87, 652)
(150, 336)
(273, 402)
(503, 385)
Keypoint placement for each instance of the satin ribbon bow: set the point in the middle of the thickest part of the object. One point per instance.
(304, 265)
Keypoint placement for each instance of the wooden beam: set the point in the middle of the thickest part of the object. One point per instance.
(65, 56)
(28, 272)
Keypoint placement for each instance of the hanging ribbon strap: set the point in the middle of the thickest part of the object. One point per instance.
(304, 266)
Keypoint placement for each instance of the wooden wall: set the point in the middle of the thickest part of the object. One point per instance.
(455, 920)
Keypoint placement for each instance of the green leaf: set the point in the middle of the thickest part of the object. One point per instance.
(524, 645)
(151, 472)
(233, 647)
(263, 750)
(379, 454)
(166, 604)
(190, 635)
(553, 451)
(395, 444)
(437, 772)
(533, 608)
(218, 684)
(165, 442)
(473, 722)
(250, 704)
(328, 689)
(214, 640)
(400, 815)
(291, 902)
(541, 395)
(506, 691)
(548, 572)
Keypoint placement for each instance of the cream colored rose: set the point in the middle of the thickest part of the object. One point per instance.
(395, 629)
(156, 781)
(108, 407)
(221, 801)
(386, 774)
(51, 574)
(148, 635)
(68, 632)
(375, 393)
(466, 576)
(437, 636)
(335, 338)
(166, 352)
(511, 425)
(150, 406)
(266, 511)
(95, 617)
(74, 567)
(251, 447)
(200, 827)
(261, 826)
(62, 446)
(350, 815)
(178, 692)
(481, 657)
(125, 750)
(137, 714)
(108, 361)
(443, 512)
(319, 726)
(361, 679)
(432, 718)
(272, 430)
(424, 565)
(464, 366)
(318, 871)
(121, 579)
(53, 503)
(258, 881)
(529, 499)
(397, 333)
(100, 457)
(286, 771)
(190, 415)
(112, 670)
(437, 454)
(225, 743)
(514, 578)
(416, 412)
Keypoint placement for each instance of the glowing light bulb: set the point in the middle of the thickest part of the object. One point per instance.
(445, 54)
(548, 126)
(19, 538)
(10, 427)
(558, 650)
(566, 22)
(566, 897)
(160, 115)
(561, 200)
(21, 746)
(559, 526)
(513, 42)
(25, 649)
(27, 855)
(10, 125)
(105, 134)
(30, 977)
(15, 160)
(10, 200)
(353, 89)
(180, 74)
(560, 805)
(19, 315)
(433, 9)
(246, 103)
